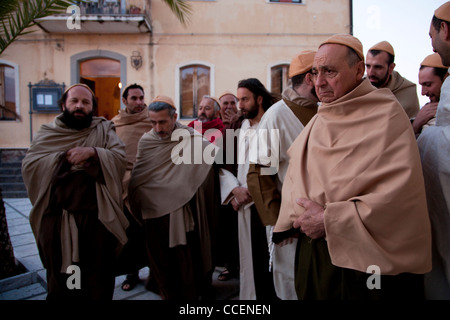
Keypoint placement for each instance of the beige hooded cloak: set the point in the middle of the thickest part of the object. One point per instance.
(42, 158)
(359, 158)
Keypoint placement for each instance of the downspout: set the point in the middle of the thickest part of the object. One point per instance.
(151, 53)
(351, 16)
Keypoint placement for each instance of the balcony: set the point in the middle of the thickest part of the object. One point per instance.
(98, 17)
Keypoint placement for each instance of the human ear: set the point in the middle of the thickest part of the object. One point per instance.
(445, 30)
(361, 69)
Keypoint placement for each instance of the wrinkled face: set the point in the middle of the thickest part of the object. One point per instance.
(206, 110)
(247, 103)
(228, 101)
(431, 84)
(163, 123)
(378, 70)
(333, 77)
(134, 101)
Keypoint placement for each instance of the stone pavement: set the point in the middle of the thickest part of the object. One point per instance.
(31, 285)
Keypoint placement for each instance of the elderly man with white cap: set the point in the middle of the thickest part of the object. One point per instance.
(434, 149)
(354, 188)
(289, 116)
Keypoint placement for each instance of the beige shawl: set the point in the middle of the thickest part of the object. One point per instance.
(358, 156)
(130, 127)
(406, 93)
(156, 185)
(41, 159)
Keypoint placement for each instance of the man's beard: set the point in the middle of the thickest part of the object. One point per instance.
(378, 83)
(203, 118)
(252, 113)
(77, 123)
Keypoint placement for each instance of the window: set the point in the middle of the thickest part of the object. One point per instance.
(287, 1)
(8, 93)
(195, 82)
(279, 78)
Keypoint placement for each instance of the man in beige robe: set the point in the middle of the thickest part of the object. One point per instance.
(285, 120)
(131, 123)
(434, 149)
(172, 189)
(73, 172)
(355, 188)
(380, 71)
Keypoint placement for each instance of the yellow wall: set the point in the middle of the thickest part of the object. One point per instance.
(239, 39)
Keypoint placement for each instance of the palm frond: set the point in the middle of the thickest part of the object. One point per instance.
(181, 8)
(7, 7)
(18, 15)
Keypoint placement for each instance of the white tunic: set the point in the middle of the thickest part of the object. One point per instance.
(227, 183)
(280, 117)
(434, 146)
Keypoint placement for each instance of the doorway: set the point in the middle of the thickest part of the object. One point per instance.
(102, 75)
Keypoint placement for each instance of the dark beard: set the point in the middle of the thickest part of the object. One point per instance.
(77, 123)
(381, 82)
(252, 113)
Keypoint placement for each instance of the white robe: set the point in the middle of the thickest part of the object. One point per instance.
(280, 117)
(434, 146)
(227, 183)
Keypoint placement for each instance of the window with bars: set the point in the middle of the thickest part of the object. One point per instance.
(287, 1)
(279, 78)
(7, 93)
(194, 84)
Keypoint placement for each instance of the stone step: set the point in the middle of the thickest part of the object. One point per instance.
(14, 194)
(7, 177)
(11, 164)
(12, 186)
(29, 292)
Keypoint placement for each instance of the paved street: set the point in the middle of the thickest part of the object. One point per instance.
(31, 285)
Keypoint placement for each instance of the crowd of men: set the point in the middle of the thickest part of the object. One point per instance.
(350, 200)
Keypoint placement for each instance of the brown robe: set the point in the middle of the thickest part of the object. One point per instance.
(43, 158)
(176, 202)
(406, 93)
(130, 127)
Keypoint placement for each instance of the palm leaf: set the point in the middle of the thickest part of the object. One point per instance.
(18, 15)
(181, 8)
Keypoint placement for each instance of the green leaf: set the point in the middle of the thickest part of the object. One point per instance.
(181, 8)
(18, 15)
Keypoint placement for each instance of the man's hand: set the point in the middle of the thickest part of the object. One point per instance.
(427, 112)
(230, 116)
(241, 197)
(311, 222)
(79, 155)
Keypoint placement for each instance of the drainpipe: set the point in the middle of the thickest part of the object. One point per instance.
(351, 16)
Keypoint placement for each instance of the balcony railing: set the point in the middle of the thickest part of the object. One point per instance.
(106, 7)
(100, 16)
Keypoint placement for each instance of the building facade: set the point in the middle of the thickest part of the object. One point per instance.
(109, 44)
